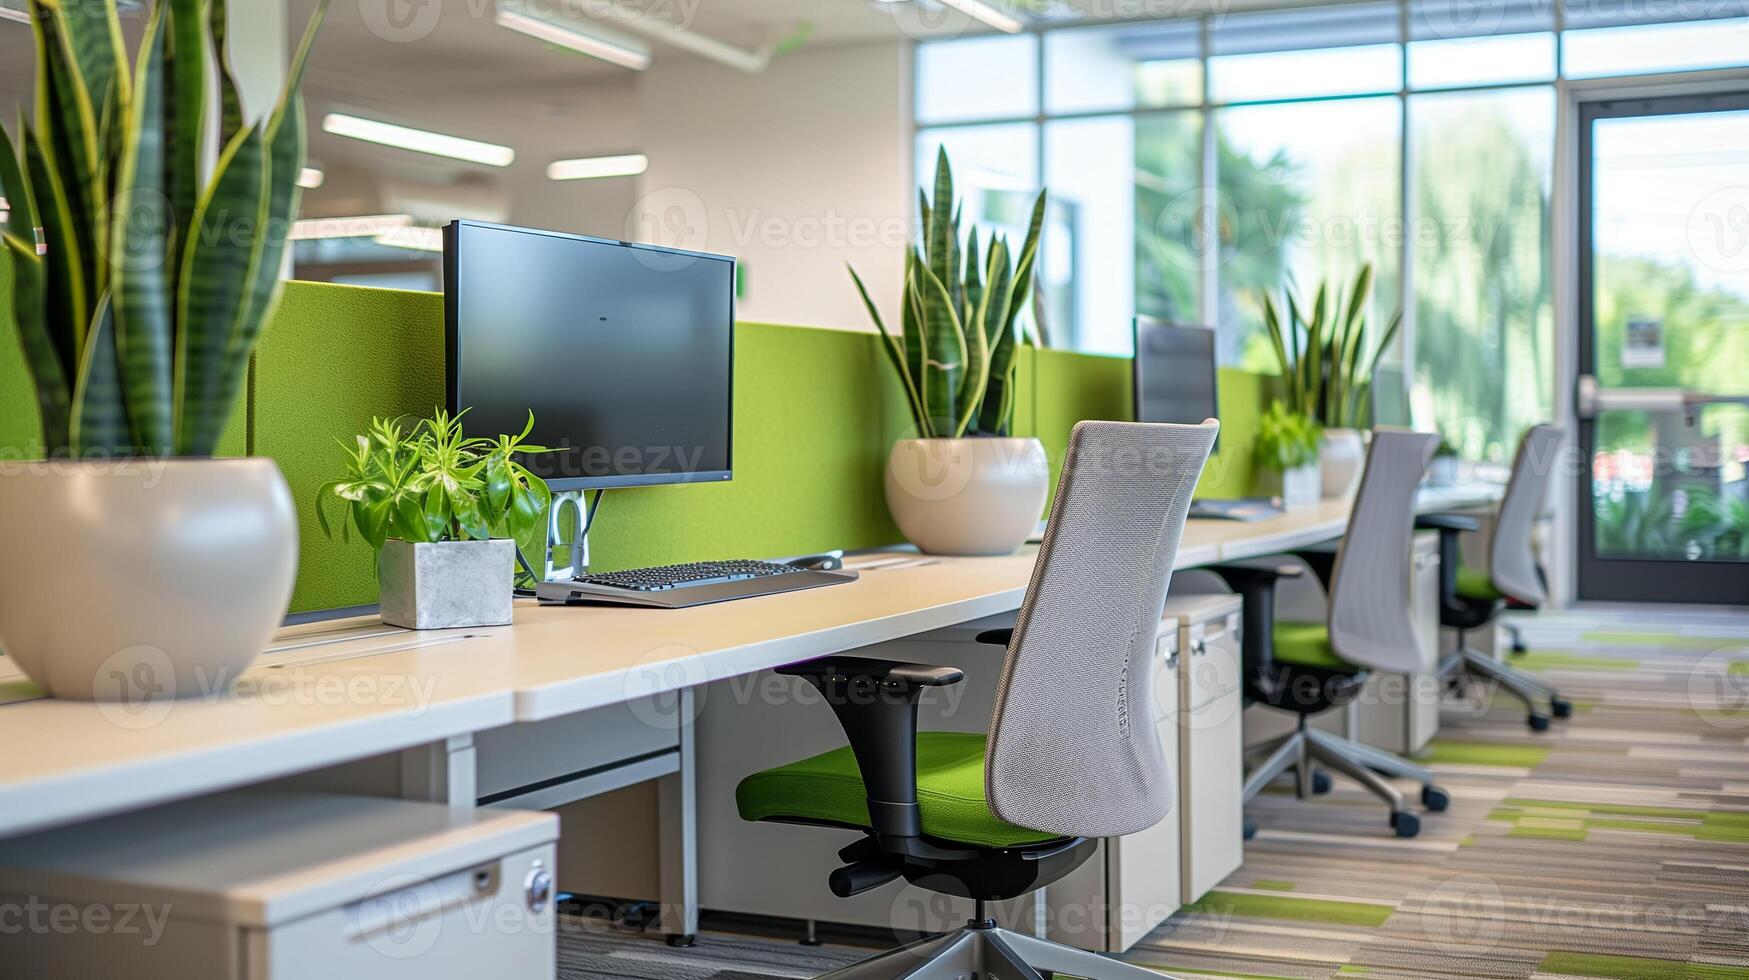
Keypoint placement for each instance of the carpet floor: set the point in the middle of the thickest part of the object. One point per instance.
(1614, 846)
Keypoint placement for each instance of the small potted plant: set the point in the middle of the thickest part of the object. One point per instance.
(1286, 454)
(1444, 470)
(144, 239)
(1320, 348)
(964, 485)
(447, 514)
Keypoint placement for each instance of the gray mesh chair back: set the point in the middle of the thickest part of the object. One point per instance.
(1073, 747)
(1370, 625)
(1512, 548)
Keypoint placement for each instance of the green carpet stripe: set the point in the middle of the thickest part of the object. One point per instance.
(1547, 833)
(1270, 884)
(1634, 967)
(1551, 660)
(1629, 810)
(1665, 640)
(1293, 909)
(1452, 752)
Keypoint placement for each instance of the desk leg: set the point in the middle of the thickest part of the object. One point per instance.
(678, 802)
(441, 772)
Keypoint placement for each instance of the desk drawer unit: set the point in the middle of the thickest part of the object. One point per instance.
(1400, 712)
(1211, 766)
(273, 885)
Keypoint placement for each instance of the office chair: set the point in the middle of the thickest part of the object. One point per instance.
(1471, 597)
(1309, 667)
(1072, 753)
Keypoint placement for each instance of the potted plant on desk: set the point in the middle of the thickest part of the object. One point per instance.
(135, 565)
(965, 485)
(447, 515)
(1286, 451)
(1320, 349)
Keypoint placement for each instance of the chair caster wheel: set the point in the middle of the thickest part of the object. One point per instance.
(1406, 824)
(1435, 799)
(1519, 649)
(1561, 708)
(1538, 723)
(683, 942)
(1250, 828)
(1320, 782)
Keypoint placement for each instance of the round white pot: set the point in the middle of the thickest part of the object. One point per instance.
(980, 496)
(136, 580)
(1341, 456)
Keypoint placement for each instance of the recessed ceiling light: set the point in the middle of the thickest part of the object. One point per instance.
(418, 140)
(577, 35)
(979, 10)
(583, 168)
(357, 226)
(311, 178)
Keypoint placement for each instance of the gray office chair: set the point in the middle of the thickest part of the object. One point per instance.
(1470, 597)
(1072, 754)
(1309, 668)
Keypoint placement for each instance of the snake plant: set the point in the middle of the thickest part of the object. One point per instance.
(141, 274)
(959, 320)
(1320, 351)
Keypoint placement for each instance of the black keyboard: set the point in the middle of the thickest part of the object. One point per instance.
(665, 577)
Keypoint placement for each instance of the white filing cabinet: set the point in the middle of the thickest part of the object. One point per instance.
(1400, 712)
(274, 885)
(1211, 763)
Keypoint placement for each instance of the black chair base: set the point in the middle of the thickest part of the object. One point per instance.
(1303, 750)
(1465, 663)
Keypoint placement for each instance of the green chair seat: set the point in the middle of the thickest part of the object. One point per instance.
(1473, 583)
(828, 788)
(1308, 645)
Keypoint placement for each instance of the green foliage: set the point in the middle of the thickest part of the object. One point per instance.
(1720, 526)
(141, 285)
(1320, 351)
(1286, 439)
(955, 354)
(432, 483)
(1446, 448)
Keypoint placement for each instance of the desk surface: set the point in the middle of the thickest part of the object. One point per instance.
(330, 693)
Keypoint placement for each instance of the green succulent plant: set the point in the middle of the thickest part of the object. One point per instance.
(142, 278)
(1320, 349)
(955, 354)
(1286, 439)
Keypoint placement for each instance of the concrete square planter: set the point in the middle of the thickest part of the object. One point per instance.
(447, 585)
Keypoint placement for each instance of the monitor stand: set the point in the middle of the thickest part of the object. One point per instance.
(578, 545)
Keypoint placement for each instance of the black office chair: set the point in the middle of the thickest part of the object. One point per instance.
(1309, 668)
(1072, 754)
(1471, 598)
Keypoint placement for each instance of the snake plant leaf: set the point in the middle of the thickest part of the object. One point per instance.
(100, 419)
(915, 334)
(21, 214)
(891, 346)
(939, 241)
(218, 264)
(945, 359)
(972, 293)
(93, 30)
(67, 303)
(185, 94)
(992, 305)
(141, 227)
(1272, 327)
(67, 122)
(53, 392)
(997, 414)
(230, 100)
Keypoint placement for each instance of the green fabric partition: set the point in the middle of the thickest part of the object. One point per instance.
(815, 413)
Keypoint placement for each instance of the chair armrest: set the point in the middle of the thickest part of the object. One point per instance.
(1000, 638)
(1446, 522)
(1264, 571)
(876, 703)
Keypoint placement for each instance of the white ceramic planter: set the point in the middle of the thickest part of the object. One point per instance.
(1297, 487)
(979, 496)
(136, 580)
(447, 584)
(1341, 456)
(1444, 471)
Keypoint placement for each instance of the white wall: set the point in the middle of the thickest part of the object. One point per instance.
(796, 171)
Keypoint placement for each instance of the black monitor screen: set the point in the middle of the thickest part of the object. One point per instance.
(623, 352)
(1175, 373)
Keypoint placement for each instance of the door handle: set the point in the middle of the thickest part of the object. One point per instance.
(1595, 399)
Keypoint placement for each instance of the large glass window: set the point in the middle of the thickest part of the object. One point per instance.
(1197, 162)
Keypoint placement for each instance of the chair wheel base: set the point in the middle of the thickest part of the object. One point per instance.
(1435, 799)
(1538, 723)
(1320, 783)
(1250, 828)
(1561, 708)
(1406, 824)
(686, 941)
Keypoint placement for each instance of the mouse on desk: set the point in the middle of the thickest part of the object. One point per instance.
(829, 561)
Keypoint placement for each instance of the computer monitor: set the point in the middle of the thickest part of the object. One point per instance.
(1175, 373)
(624, 352)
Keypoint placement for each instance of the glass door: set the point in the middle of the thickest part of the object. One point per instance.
(1663, 399)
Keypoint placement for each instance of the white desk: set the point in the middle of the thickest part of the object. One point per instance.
(330, 694)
